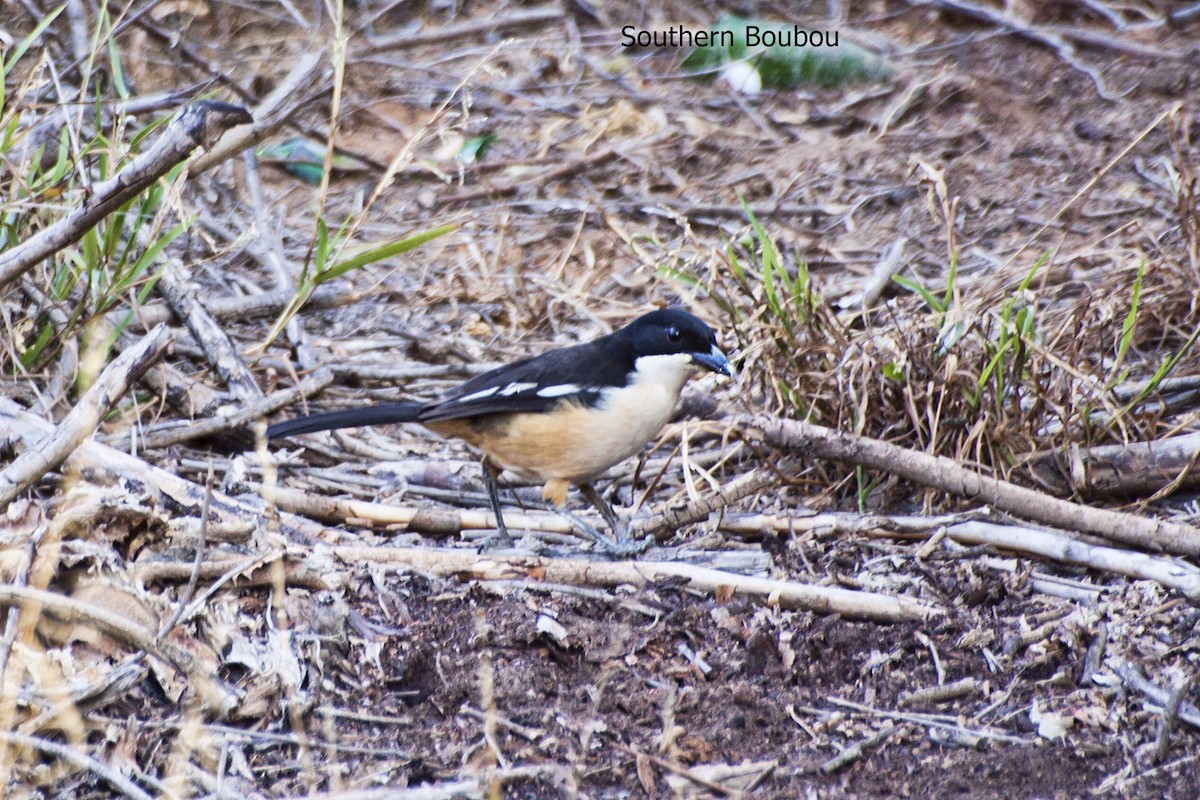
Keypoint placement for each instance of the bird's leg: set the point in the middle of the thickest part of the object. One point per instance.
(619, 528)
(622, 546)
(490, 473)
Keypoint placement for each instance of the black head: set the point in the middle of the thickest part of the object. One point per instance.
(672, 331)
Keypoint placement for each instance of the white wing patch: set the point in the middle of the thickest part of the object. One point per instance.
(516, 388)
(558, 390)
(478, 395)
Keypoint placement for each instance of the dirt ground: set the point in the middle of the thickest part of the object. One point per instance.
(607, 163)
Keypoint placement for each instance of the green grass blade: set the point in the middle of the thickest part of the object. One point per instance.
(1129, 325)
(934, 303)
(380, 252)
(24, 45)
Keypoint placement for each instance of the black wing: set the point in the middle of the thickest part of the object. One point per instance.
(573, 374)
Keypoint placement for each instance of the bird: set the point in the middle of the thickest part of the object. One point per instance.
(563, 417)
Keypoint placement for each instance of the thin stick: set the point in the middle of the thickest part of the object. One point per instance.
(183, 296)
(790, 594)
(1087, 187)
(238, 307)
(172, 434)
(930, 721)
(665, 525)
(1174, 574)
(1062, 48)
(105, 462)
(1048, 544)
(189, 591)
(1132, 675)
(683, 772)
(81, 422)
(855, 751)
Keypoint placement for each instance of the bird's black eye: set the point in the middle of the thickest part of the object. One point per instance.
(673, 334)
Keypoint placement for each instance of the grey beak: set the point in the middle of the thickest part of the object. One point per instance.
(714, 361)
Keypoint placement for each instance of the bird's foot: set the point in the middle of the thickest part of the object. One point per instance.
(621, 547)
(500, 540)
(624, 547)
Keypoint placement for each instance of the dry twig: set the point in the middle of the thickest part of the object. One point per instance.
(1049, 39)
(790, 594)
(183, 296)
(105, 463)
(172, 433)
(81, 422)
(70, 755)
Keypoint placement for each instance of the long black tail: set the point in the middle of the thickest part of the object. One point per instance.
(349, 418)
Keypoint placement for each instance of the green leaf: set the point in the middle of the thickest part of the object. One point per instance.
(305, 159)
(676, 274)
(916, 288)
(785, 55)
(376, 253)
(473, 149)
(1163, 371)
(148, 257)
(27, 42)
(118, 74)
(31, 354)
(321, 253)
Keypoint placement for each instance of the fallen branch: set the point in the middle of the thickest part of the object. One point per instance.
(1138, 468)
(296, 88)
(790, 594)
(172, 433)
(1047, 544)
(152, 570)
(1172, 574)
(949, 476)
(1131, 675)
(183, 296)
(241, 307)
(186, 393)
(431, 521)
(932, 721)
(858, 749)
(666, 524)
(939, 694)
(197, 125)
(444, 522)
(81, 422)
